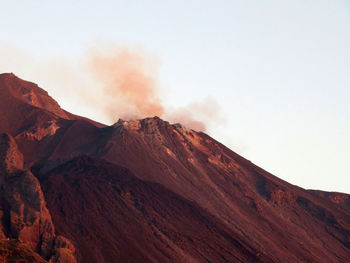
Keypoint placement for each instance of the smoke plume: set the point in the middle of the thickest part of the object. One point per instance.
(197, 115)
(107, 83)
(128, 81)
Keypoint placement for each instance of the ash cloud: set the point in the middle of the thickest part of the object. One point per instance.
(107, 83)
(197, 115)
(127, 80)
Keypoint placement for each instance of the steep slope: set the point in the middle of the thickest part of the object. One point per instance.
(115, 217)
(249, 211)
(277, 217)
(32, 117)
(21, 100)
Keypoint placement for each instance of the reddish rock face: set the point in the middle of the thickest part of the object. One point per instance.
(149, 191)
(24, 215)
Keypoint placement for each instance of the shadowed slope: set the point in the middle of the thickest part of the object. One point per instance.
(115, 217)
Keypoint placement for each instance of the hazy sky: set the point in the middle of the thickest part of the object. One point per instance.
(279, 71)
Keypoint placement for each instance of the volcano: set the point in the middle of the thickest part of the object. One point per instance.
(75, 190)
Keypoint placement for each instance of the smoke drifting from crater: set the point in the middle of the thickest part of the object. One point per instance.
(128, 81)
(110, 81)
(197, 115)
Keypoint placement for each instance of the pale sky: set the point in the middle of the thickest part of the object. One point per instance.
(280, 70)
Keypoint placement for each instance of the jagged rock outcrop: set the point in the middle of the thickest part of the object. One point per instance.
(24, 215)
(64, 251)
(14, 251)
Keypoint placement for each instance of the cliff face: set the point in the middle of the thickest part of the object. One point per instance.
(150, 191)
(24, 215)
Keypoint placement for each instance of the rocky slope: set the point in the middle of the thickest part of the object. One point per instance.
(150, 191)
(144, 217)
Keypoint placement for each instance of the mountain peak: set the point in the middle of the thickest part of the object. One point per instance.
(8, 75)
(146, 124)
(14, 88)
(150, 124)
